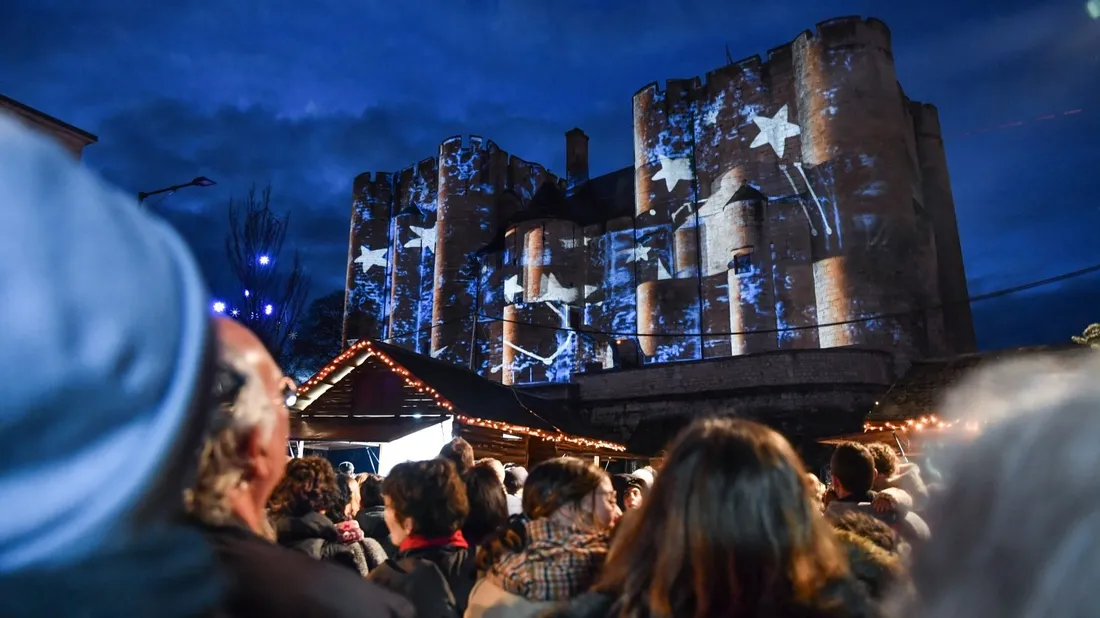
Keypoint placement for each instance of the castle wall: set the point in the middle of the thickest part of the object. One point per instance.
(470, 177)
(664, 183)
(369, 256)
(854, 132)
(413, 250)
(940, 206)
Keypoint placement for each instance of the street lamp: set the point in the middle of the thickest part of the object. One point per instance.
(201, 181)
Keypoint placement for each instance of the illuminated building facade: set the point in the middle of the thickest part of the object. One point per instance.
(798, 202)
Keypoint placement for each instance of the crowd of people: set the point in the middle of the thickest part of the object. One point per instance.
(146, 473)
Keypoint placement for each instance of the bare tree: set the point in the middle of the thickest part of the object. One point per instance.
(273, 293)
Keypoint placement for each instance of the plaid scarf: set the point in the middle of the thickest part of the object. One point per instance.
(557, 564)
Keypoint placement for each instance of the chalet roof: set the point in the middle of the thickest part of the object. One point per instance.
(596, 201)
(919, 393)
(47, 119)
(430, 388)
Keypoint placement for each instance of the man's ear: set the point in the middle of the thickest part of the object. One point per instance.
(255, 454)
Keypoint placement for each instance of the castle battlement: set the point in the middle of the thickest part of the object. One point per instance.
(837, 33)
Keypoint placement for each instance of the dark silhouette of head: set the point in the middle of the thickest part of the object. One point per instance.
(488, 505)
(308, 486)
(852, 468)
(460, 453)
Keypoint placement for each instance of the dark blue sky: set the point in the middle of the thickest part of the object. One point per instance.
(307, 95)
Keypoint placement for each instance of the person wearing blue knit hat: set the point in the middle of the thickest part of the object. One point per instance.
(106, 347)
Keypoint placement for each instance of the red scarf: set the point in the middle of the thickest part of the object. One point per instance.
(415, 541)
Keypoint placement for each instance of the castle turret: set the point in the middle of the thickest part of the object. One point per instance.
(469, 178)
(664, 185)
(854, 131)
(576, 158)
(940, 206)
(368, 258)
(414, 229)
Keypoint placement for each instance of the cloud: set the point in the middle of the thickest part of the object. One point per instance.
(309, 160)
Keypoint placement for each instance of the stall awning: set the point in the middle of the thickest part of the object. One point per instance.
(372, 381)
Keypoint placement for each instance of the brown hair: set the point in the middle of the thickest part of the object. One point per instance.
(460, 453)
(307, 486)
(885, 458)
(727, 529)
(430, 493)
(853, 465)
(550, 486)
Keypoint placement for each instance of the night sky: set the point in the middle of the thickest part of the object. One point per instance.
(307, 95)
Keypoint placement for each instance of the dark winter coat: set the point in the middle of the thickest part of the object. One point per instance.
(846, 599)
(437, 580)
(168, 573)
(316, 536)
(272, 581)
(373, 522)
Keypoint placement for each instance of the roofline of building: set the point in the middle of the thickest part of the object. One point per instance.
(91, 138)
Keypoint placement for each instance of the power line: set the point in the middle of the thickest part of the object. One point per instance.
(973, 299)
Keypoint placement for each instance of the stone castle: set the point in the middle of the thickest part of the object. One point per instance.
(800, 202)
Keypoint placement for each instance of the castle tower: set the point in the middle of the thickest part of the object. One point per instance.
(854, 129)
(576, 158)
(940, 206)
(667, 303)
(369, 258)
(470, 176)
(413, 234)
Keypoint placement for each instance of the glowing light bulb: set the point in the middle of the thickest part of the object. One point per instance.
(264, 260)
(235, 312)
(268, 309)
(247, 293)
(219, 307)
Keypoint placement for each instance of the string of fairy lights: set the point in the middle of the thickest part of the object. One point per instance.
(924, 423)
(366, 347)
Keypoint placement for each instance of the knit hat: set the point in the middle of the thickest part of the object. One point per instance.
(104, 324)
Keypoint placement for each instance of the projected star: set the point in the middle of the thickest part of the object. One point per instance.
(512, 288)
(425, 238)
(639, 253)
(553, 290)
(673, 171)
(368, 258)
(775, 131)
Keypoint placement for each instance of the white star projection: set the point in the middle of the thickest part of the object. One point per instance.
(554, 291)
(425, 238)
(512, 288)
(774, 131)
(673, 171)
(638, 253)
(368, 258)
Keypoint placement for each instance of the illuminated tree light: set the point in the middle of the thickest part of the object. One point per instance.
(219, 307)
(268, 309)
(235, 312)
(247, 293)
(264, 260)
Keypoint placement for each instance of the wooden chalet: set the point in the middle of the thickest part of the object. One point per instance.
(375, 393)
(910, 413)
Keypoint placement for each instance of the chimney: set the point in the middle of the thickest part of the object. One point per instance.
(576, 159)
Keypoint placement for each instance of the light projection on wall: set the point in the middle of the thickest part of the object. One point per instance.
(368, 259)
(765, 209)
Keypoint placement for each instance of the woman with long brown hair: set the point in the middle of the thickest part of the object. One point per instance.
(729, 529)
(553, 552)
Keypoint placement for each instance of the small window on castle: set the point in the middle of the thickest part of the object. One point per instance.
(741, 264)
